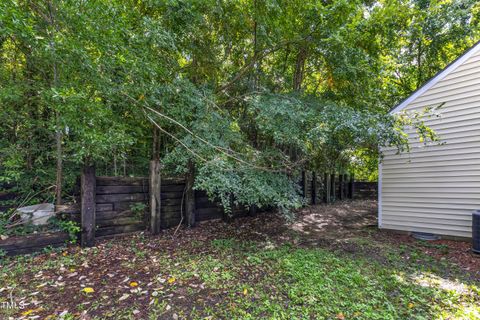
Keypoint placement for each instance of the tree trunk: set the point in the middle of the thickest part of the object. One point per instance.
(59, 171)
(156, 144)
(155, 200)
(58, 129)
(257, 65)
(190, 195)
(299, 69)
(155, 185)
(87, 217)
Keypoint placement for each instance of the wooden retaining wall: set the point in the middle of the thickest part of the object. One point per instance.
(33, 243)
(117, 197)
(365, 190)
(115, 200)
(121, 206)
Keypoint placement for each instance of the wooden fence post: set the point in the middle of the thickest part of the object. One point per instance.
(304, 184)
(346, 186)
(351, 186)
(326, 186)
(314, 187)
(155, 196)
(340, 187)
(190, 196)
(252, 211)
(333, 191)
(88, 186)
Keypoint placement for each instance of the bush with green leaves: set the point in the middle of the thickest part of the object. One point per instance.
(247, 92)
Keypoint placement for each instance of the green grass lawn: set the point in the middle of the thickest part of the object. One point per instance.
(229, 279)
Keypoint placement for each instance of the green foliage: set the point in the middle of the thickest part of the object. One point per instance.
(247, 186)
(3, 254)
(251, 93)
(138, 209)
(68, 226)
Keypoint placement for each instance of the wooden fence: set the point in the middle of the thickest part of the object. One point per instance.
(327, 188)
(121, 205)
(116, 205)
(365, 190)
(33, 242)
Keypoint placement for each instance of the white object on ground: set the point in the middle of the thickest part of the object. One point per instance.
(37, 214)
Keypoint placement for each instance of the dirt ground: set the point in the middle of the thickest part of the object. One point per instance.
(333, 225)
(111, 266)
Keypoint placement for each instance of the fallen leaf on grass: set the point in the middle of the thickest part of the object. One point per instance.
(88, 290)
(30, 311)
(63, 313)
(125, 296)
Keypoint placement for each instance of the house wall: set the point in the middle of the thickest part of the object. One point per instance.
(435, 188)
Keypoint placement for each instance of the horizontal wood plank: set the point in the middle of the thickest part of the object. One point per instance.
(119, 221)
(111, 230)
(173, 188)
(122, 181)
(33, 241)
(114, 214)
(122, 197)
(103, 207)
(121, 189)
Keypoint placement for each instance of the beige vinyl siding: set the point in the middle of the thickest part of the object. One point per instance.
(435, 188)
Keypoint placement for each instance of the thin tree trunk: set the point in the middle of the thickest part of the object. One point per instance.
(155, 199)
(299, 69)
(419, 64)
(155, 144)
(59, 171)
(190, 195)
(115, 169)
(58, 129)
(155, 186)
(256, 58)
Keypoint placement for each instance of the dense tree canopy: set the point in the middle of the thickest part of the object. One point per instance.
(249, 92)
